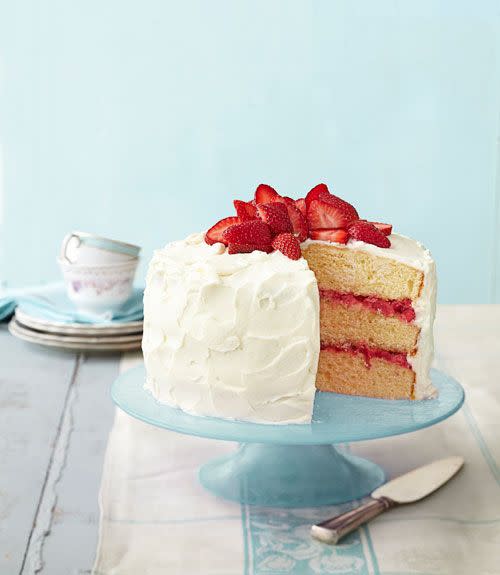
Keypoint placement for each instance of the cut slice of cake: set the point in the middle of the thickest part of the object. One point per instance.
(376, 314)
(284, 298)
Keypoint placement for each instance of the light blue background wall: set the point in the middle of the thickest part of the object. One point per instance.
(142, 120)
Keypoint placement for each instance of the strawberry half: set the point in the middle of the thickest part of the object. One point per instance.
(368, 233)
(301, 205)
(330, 214)
(215, 233)
(245, 210)
(251, 233)
(265, 194)
(386, 229)
(316, 193)
(339, 236)
(288, 245)
(246, 248)
(275, 214)
(299, 222)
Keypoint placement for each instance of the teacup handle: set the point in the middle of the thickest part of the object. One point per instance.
(64, 247)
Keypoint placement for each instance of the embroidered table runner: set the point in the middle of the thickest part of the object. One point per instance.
(157, 519)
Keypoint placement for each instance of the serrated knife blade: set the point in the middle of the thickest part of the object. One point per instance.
(408, 488)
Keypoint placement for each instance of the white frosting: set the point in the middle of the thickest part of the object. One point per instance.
(234, 336)
(414, 254)
(237, 336)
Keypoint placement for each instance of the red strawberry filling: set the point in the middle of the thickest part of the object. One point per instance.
(370, 353)
(319, 216)
(401, 308)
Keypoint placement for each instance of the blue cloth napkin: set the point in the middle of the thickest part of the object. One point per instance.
(51, 303)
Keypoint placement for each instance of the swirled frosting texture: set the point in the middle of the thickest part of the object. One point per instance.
(234, 336)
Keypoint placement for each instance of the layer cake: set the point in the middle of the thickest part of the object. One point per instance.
(288, 296)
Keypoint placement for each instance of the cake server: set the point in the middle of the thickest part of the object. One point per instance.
(407, 488)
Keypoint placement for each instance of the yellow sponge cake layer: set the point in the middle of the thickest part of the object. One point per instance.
(341, 323)
(376, 314)
(361, 273)
(347, 372)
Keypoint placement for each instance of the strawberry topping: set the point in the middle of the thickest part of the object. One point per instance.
(386, 229)
(301, 204)
(299, 222)
(271, 221)
(368, 233)
(250, 233)
(337, 235)
(276, 217)
(247, 248)
(317, 193)
(288, 245)
(215, 233)
(265, 194)
(245, 210)
(329, 214)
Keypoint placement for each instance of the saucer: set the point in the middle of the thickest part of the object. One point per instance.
(79, 329)
(104, 342)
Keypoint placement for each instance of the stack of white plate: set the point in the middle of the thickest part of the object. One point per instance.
(77, 336)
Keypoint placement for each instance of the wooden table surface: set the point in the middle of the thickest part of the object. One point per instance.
(55, 415)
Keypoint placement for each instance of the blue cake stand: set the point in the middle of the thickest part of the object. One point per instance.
(295, 465)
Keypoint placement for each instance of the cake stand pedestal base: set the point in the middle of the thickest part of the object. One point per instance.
(290, 475)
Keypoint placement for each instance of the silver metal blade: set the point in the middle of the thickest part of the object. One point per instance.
(420, 482)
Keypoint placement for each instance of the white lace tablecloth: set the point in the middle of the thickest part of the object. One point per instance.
(158, 520)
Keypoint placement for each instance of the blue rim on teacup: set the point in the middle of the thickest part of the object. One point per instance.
(101, 243)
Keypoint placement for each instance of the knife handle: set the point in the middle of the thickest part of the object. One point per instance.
(333, 529)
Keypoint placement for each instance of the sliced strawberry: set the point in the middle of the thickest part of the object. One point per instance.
(386, 229)
(320, 192)
(251, 233)
(275, 214)
(245, 210)
(368, 233)
(330, 214)
(339, 236)
(216, 232)
(299, 222)
(348, 208)
(288, 245)
(246, 248)
(316, 193)
(264, 194)
(301, 204)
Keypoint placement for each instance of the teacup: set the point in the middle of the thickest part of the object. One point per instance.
(82, 248)
(99, 289)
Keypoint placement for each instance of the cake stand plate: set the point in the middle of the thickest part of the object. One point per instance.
(295, 465)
